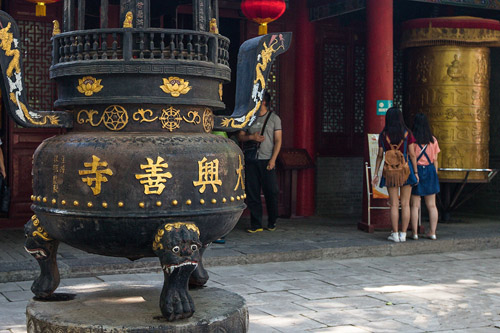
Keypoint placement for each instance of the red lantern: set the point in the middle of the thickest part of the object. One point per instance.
(41, 10)
(263, 11)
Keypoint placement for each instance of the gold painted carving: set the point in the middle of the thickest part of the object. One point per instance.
(170, 118)
(175, 86)
(88, 85)
(220, 90)
(40, 232)
(239, 172)
(140, 116)
(169, 227)
(213, 26)
(424, 65)
(50, 118)
(128, 21)
(260, 68)
(483, 72)
(56, 30)
(7, 39)
(208, 174)
(455, 97)
(208, 120)
(455, 70)
(115, 117)
(154, 177)
(99, 170)
(195, 118)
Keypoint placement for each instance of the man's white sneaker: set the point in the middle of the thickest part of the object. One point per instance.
(394, 237)
(402, 236)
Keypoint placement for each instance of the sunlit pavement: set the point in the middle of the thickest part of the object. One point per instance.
(450, 292)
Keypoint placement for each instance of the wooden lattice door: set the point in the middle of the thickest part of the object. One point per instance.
(341, 92)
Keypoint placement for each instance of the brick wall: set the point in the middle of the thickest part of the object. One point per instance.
(339, 185)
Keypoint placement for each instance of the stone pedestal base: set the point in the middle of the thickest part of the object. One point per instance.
(136, 309)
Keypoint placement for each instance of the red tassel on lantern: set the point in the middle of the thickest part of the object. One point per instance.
(263, 11)
(41, 9)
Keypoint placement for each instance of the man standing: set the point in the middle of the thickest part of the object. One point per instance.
(261, 173)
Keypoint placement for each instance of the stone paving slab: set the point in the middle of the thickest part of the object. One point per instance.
(295, 239)
(453, 292)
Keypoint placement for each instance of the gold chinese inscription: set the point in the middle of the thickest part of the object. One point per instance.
(88, 85)
(175, 86)
(239, 172)
(154, 177)
(58, 168)
(99, 170)
(208, 174)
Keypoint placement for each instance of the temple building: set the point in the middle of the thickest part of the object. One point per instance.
(349, 60)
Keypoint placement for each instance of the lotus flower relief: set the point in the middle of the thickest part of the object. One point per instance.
(89, 85)
(175, 86)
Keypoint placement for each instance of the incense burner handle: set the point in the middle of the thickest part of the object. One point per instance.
(255, 58)
(13, 79)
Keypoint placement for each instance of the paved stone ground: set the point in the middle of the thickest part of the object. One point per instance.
(295, 239)
(447, 292)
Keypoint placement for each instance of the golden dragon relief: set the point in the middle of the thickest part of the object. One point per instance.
(6, 40)
(265, 57)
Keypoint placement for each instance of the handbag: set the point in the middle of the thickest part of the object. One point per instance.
(251, 148)
(4, 196)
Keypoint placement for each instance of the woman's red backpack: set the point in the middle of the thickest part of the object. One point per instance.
(396, 169)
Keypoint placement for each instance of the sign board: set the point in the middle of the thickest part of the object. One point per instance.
(382, 106)
(378, 192)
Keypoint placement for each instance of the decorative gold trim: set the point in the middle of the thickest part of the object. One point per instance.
(120, 204)
(142, 205)
(105, 205)
(140, 116)
(220, 90)
(170, 118)
(214, 201)
(208, 120)
(40, 232)
(175, 86)
(88, 85)
(175, 202)
(195, 117)
(114, 117)
(188, 202)
(169, 227)
(202, 201)
(129, 19)
(56, 30)
(430, 36)
(213, 26)
(158, 203)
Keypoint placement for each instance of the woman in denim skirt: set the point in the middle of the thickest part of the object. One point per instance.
(395, 133)
(426, 150)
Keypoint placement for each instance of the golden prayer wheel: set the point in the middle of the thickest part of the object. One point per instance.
(448, 74)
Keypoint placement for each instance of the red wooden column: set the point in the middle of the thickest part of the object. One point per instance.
(379, 86)
(304, 117)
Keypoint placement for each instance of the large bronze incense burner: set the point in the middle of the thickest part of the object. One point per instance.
(138, 174)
